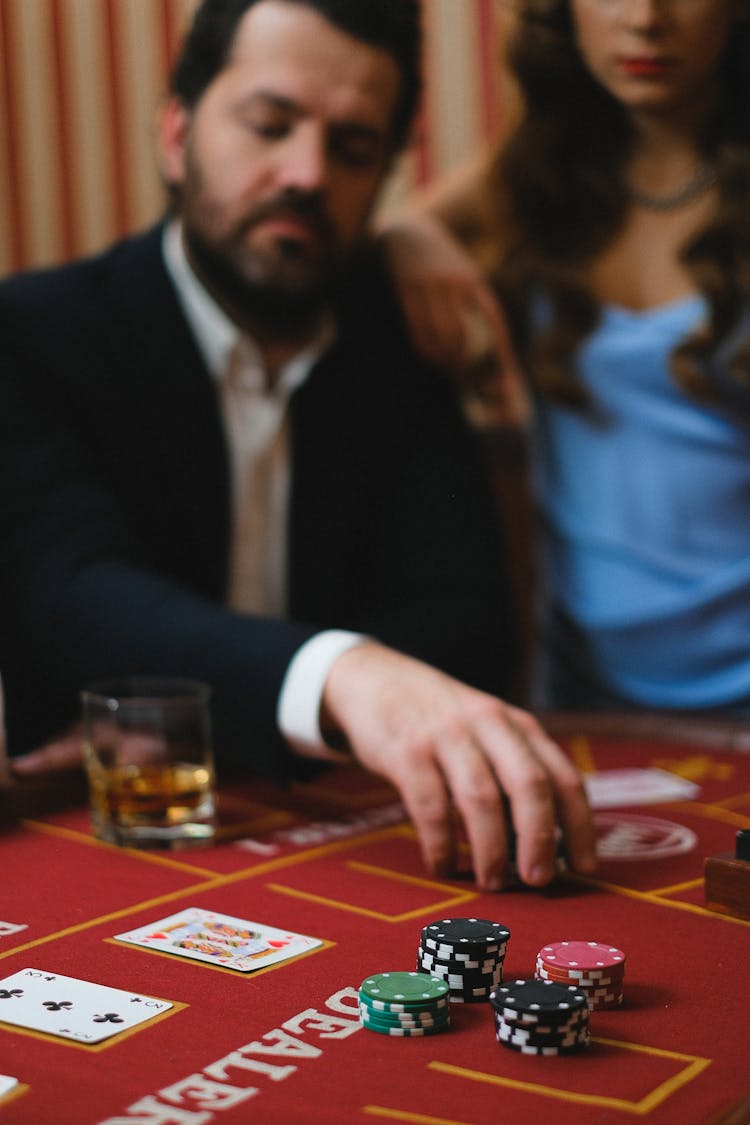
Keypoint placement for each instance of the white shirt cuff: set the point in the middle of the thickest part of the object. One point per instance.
(298, 708)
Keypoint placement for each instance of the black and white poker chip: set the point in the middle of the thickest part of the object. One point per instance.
(467, 953)
(540, 1017)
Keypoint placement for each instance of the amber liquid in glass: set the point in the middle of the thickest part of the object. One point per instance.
(153, 801)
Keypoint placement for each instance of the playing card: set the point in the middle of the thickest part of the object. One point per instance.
(610, 789)
(7, 1084)
(220, 939)
(71, 1008)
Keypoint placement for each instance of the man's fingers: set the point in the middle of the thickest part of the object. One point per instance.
(476, 795)
(578, 831)
(563, 786)
(428, 804)
(529, 790)
(63, 753)
(573, 811)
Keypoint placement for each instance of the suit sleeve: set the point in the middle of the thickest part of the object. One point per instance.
(81, 597)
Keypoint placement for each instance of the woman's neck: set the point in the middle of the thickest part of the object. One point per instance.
(667, 146)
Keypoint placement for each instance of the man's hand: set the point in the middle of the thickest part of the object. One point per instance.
(451, 749)
(62, 754)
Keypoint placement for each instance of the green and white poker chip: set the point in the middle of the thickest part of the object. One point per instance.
(398, 991)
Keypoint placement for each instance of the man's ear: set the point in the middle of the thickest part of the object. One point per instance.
(172, 128)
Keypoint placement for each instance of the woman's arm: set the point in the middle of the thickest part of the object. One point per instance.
(432, 247)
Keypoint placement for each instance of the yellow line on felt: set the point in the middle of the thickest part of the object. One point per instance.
(696, 1065)
(639, 1109)
(709, 812)
(653, 898)
(325, 849)
(307, 896)
(350, 908)
(452, 898)
(95, 1048)
(18, 1089)
(415, 880)
(213, 883)
(676, 888)
(139, 853)
(735, 799)
(257, 869)
(92, 922)
(580, 752)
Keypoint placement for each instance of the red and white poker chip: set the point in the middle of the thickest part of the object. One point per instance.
(593, 966)
(581, 955)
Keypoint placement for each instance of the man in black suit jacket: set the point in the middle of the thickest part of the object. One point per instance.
(119, 515)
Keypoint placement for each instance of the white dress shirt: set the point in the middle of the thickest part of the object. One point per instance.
(256, 422)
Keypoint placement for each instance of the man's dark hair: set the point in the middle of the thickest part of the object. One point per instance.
(392, 25)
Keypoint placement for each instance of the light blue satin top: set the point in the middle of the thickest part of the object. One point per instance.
(645, 505)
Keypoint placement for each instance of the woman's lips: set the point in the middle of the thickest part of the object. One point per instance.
(645, 67)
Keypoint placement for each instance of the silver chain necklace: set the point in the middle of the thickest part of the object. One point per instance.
(703, 179)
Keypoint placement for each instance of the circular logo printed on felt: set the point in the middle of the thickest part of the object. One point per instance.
(627, 836)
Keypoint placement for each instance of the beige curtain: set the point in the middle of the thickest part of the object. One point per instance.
(79, 84)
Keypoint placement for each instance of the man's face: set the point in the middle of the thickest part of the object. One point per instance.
(279, 162)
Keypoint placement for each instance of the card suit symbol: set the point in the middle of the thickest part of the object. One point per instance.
(9, 993)
(56, 1005)
(109, 1017)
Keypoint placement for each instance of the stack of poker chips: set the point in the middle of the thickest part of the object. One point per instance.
(595, 968)
(539, 1017)
(404, 1004)
(466, 953)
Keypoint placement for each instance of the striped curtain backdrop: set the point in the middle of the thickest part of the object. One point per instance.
(79, 84)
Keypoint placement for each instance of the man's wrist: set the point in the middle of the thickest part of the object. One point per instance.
(299, 705)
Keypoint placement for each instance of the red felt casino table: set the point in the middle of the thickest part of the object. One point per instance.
(336, 860)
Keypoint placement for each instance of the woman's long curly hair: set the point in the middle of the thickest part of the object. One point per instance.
(555, 194)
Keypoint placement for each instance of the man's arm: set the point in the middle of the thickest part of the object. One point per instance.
(446, 747)
(451, 751)
(82, 596)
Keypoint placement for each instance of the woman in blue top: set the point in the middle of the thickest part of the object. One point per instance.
(613, 225)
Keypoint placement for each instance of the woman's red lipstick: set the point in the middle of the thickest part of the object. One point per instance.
(644, 67)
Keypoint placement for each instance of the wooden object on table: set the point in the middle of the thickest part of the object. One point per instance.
(727, 879)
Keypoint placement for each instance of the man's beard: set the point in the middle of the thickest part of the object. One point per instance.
(281, 291)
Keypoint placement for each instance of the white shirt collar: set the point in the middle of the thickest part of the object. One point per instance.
(217, 335)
